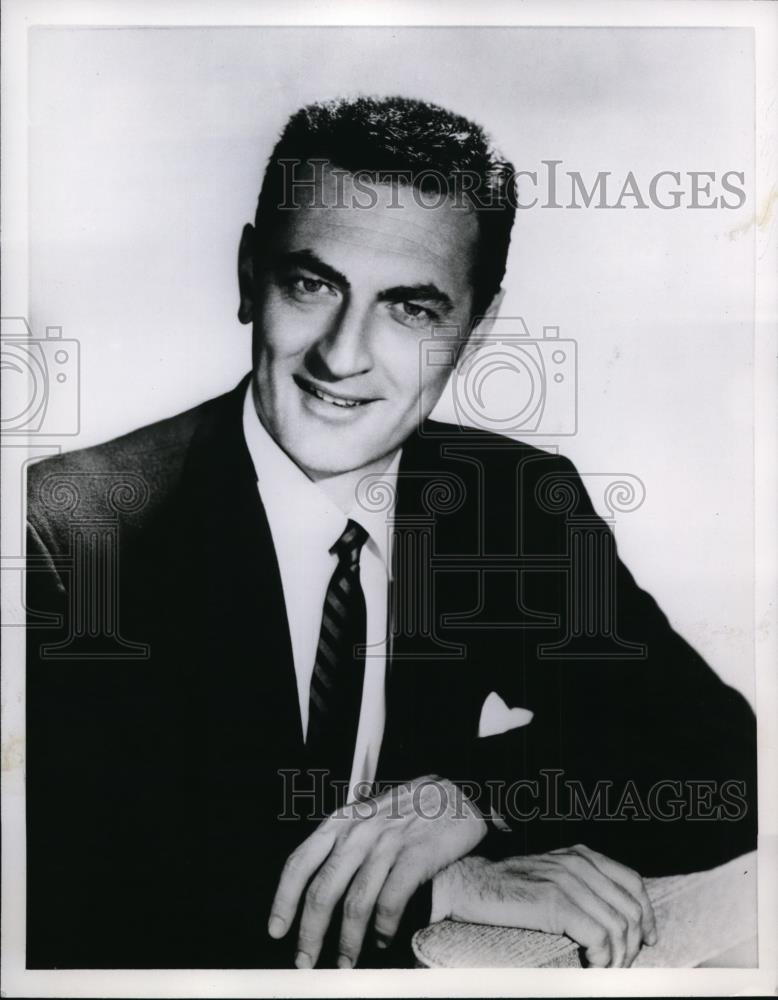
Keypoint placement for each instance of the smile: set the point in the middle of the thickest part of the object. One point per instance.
(345, 402)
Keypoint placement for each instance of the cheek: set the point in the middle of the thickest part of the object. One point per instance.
(412, 380)
(284, 331)
(431, 384)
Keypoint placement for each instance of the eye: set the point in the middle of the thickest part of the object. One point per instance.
(307, 289)
(311, 286)
(412, 314)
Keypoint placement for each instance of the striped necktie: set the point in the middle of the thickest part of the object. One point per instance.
(338, 673)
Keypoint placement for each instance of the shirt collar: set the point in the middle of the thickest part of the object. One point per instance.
(299, 509)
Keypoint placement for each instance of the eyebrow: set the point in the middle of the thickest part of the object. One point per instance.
(312, 262)
(424, 291)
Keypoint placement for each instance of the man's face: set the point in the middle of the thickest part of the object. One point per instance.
(340, 301)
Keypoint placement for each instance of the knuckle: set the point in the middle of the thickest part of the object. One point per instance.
(308, 942)
(354, 908)
(356, 832)
(630, 876)
(317, 898)
(292, 863)
(634, 912)
(314, 902)
(387, 844)
(563, 881)
(349, 946)
(622, 924)
(390, 833)
(324, 829)
(385, 911)
(634, 882)
(575, 863)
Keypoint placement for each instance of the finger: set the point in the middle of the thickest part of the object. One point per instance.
(567, 917)
(523, 899)
(359, 904)
(615, 924)
(629, 880)
(401, 882)
(323, 894)
(299, 867)
(612, 893)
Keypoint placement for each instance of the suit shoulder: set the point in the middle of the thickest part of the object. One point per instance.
(436, 436)
(148, 460)
(138, 448)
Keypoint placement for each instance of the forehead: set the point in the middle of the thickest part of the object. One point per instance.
(403, 229)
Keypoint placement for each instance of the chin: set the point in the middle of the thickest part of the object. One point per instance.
(321, 461)
(320, 466)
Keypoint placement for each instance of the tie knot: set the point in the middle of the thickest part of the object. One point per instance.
(349, 545)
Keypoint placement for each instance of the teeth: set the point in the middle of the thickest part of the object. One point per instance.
(336, 401)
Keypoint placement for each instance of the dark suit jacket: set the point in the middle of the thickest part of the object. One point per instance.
(162, 710)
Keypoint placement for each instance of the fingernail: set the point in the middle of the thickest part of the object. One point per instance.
(276, 927)
(344, 962)
(651, 937)
(381, 943)
(303, 961)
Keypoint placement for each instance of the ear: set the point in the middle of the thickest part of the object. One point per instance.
(246, 274)
(483, 324)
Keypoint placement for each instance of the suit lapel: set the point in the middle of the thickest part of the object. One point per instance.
(427, 703)
(246, 675)
(247, 672)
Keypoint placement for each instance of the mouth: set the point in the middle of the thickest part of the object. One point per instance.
(344, 402)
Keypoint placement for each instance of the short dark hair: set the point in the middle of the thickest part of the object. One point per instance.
(405, 140)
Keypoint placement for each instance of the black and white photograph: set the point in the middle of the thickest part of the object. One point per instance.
(388, 543)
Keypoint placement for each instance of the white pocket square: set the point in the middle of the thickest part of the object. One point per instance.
(497, 718)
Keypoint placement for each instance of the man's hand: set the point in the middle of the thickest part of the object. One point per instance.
(375, 853)
(599, 903)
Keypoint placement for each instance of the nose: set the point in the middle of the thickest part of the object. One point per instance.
(345, 349)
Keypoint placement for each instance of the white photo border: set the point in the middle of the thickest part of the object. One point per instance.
(18, 16)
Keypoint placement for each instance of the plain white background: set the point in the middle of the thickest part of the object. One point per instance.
(147, 148)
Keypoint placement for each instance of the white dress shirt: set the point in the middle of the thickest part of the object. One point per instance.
(305, 523)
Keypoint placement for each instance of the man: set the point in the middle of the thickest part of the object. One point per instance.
(267, 636)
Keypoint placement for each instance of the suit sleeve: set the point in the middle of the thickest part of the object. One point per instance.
(643, 753)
